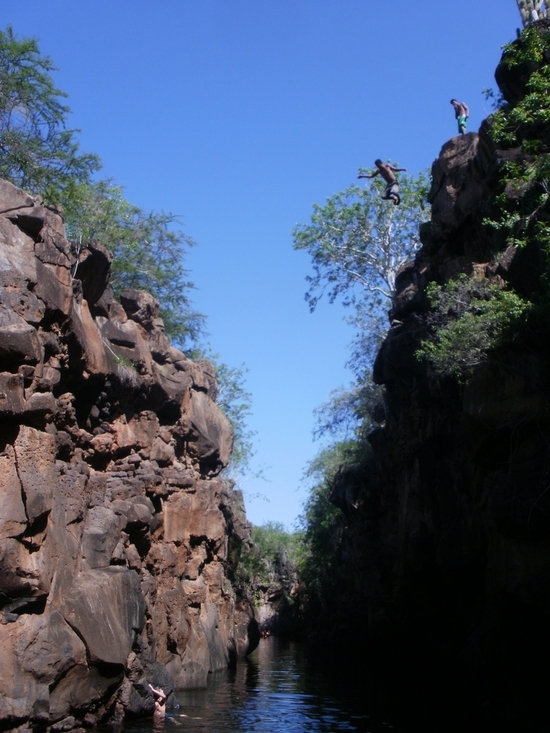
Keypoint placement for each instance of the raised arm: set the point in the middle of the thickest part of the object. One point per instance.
(160, 693)
(368, 175)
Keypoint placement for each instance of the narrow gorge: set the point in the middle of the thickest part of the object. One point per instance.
(119, 537)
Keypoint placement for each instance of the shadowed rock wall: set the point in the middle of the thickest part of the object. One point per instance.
(114, 527)
(446, 555)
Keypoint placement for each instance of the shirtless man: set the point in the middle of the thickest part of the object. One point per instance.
(387, 172)
(160, 704)
(462, 112)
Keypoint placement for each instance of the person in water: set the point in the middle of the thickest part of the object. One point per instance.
(160, 703)
(387, 172)
(462, 112)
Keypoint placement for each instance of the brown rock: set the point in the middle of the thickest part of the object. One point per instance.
(12, 197)
(106, 608)
(215, 435)
(35, 460)
(100, 537)
(13, 519)
(140, 307)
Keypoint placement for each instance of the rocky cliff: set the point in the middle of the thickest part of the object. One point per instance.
(446, 556)
(114, 524)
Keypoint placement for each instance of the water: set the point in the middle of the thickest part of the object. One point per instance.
(276, 689)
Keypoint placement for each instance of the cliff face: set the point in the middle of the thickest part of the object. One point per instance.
(446, 555)
(114, 528)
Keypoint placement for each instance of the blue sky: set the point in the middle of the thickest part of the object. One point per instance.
(239, 115)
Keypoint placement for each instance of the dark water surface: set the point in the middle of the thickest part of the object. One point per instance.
(276, 689)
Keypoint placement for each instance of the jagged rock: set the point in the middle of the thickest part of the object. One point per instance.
(12, 197)
(94, 264)
(140, 307)
(34, 457)
(214, 439)
(112, 594)
(13, 518)
(108, 522)
(513, 82)
(457, 184)
(100, 536)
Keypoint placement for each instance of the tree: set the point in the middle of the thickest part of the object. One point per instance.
(236, 402)
(37, 152)
(358, 241)
(321, 525)
(148, 250)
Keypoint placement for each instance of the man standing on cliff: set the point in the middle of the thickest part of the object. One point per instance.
(387, 172)
(462, 112)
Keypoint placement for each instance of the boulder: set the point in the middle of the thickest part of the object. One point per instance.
(35, 461)
(215, 435)
(106, 608)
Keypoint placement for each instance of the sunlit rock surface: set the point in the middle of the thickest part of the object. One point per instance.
(114, 524)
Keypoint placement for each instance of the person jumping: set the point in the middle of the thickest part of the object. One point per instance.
(387, 171)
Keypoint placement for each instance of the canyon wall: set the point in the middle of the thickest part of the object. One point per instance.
(445, 562)
(115, 526)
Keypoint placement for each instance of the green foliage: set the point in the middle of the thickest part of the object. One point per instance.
(470, 319)
(274, 542)
(511, 125)
(524, 197)
(358, 241)
(148, 250)
(322, 525)
(267, 559)
(351, 413)
(236, 403)
(37, 152)
(520, 212)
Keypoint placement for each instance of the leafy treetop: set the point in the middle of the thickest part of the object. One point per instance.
(37, 152)
(358, 239)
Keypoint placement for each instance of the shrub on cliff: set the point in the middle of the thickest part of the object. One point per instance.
(148, 250)
(521, 208)
(469, 320)
(322, 524)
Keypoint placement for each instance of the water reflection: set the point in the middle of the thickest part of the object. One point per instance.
(276, 689)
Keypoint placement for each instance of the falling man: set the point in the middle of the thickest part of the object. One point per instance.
(387, 171)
